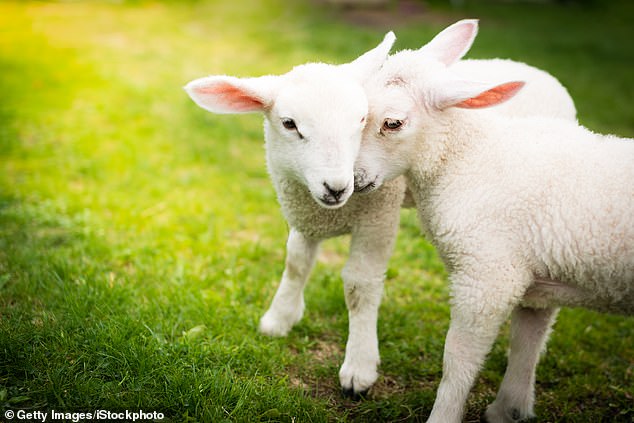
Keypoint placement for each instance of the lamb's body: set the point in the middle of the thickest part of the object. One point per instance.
(529, 214)
(554, 201)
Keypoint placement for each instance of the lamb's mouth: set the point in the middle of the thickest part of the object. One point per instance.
(360, 181)
(330, 203)
(370, 186)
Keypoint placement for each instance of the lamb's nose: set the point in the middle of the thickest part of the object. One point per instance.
(336, 193)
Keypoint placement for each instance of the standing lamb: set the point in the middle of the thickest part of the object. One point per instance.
(314, 117)
(309, 113)
(528, 214)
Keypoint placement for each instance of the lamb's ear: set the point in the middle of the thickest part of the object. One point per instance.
(228, 94)
(453, 42)
(371, 61)
(474, 95)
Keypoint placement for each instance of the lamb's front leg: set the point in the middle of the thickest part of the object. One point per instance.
(529, 333)
(479, 306)
(287, 307)
(363, 278)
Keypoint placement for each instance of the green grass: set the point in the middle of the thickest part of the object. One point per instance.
(140, 238)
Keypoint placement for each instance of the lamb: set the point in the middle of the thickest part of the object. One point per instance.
(299, 167)
(529, 214)
(314, 116)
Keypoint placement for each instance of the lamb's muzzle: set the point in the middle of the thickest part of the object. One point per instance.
(362, 183)
(334, 196)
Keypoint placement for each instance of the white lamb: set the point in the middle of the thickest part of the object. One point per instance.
(528, 214)
(313, 120)
(314, 117)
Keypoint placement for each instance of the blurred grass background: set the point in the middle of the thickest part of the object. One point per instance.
(140, 238)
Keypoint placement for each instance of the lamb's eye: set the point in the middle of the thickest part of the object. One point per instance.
(392, 124)
(289, 123)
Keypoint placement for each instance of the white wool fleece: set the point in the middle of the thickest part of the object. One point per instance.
(528, 213)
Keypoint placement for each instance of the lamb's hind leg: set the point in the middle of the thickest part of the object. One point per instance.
(287, 307)
(363, 277)
(529, 333)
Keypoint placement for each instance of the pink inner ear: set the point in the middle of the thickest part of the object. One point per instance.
(491, 97)
(232, 97)
(463, 37)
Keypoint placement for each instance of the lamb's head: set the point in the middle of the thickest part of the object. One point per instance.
(408, 103)
(314, 118)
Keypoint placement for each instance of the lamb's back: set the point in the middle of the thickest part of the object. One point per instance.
(553, 196)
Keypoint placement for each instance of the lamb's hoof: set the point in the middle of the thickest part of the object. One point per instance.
(356, 380)
(274, 323)
(354, 396)
(500, 414)
(271, 326)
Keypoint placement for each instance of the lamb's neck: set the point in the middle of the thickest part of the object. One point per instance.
(443, 151)
(288, 189)
(445, 141)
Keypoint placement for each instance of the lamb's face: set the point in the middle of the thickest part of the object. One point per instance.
(397, 113)
(409, 123)
(314, 118)
(402, 99)
(385, 150)
(314, 131)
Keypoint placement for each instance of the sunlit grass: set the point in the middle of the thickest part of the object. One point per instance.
(140, 238)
